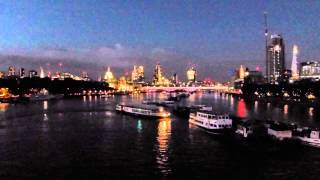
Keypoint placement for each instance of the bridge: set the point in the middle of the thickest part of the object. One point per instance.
(219, 88)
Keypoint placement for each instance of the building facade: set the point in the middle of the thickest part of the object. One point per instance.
(276, 59)
(310, 70)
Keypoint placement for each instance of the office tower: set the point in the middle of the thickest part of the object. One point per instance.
(276, 59)
(11, 71)
(191, 74)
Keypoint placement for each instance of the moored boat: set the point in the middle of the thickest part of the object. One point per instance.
(143, 110)
(211, 122)
(279, 130)
(244, 128)
(308, 136)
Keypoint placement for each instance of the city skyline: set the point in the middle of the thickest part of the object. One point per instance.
(212, 34)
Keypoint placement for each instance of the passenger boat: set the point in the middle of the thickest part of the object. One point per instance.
(143, 110)
(158, 103)
(211, 122)
(184, 111)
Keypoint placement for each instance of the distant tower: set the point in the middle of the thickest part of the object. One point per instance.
(137, 74)
(241, 72)
(41, 73)
(276, 59)
(157, 76)
(11, 71)
(294, 63)
(191, 74)
(22, 73)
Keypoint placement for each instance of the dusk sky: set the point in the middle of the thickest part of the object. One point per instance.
(122, 33)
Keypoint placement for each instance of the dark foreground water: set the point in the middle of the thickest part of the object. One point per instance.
(85, 138)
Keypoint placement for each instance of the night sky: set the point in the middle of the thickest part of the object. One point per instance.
(217, 36)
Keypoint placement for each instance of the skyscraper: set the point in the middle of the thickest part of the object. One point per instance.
(191, 74)
(137, 75)
(158, 78)
(276, 59)
(294, 67)
(11, 71)
(22, 73)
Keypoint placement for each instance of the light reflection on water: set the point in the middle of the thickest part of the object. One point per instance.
(139, 126)
(45, 105)
(164, 134)
(3, 107)
(310, 112)
(285, 109)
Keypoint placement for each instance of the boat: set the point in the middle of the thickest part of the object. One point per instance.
(279, 130)
(308, 136)
(211, 122)
(184, 111)
(159, 103)
(44, 95)
(244, 128)
(143, 110)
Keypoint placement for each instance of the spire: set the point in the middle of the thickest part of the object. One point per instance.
(41, 72)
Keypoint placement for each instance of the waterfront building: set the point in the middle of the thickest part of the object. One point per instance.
(11, 71)
(137, 75)
(310, 70)
(286, 75)
(276, 59)
(33, 73)
(239, 76)
(294, 63)
(253, 77)
(123, 86)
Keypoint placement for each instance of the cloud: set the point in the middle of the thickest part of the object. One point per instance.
(119, 57)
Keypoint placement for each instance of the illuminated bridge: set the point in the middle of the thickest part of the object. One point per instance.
(219, 88)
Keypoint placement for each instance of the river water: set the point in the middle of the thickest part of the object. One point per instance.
(84, 138)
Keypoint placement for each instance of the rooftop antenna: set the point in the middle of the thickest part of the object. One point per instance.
(266, 41)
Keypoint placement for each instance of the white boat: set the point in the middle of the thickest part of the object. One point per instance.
(309, 137)
(201, 107)
(143, 110)
(211, 122)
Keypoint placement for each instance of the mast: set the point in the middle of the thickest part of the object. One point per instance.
(266, 46)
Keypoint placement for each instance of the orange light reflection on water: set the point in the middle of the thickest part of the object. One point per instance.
(164, 134)
(3, 107)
